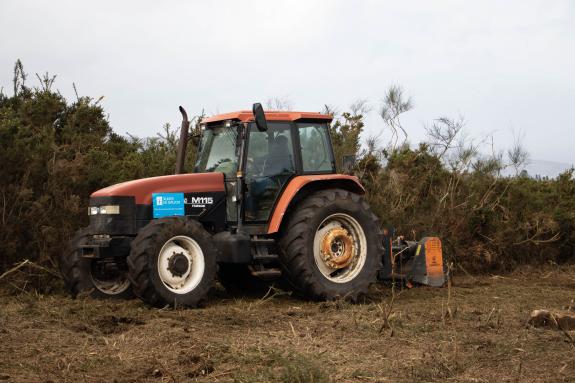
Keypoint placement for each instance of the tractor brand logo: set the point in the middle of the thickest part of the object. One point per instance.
(199, 201)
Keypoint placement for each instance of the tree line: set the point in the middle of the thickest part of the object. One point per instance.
(55, 152)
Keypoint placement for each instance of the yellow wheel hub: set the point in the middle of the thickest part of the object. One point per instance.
(337, 248)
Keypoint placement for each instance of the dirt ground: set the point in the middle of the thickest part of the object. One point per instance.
(478, 334)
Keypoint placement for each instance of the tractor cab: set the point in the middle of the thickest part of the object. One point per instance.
(291, 144)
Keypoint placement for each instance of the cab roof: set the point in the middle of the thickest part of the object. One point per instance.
(247, 115)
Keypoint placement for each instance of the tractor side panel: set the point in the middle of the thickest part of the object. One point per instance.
(199, 195)
(297, 183)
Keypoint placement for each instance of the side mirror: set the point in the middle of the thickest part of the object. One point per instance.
(260, 117)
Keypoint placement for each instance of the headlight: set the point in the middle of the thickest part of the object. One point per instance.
(106, 209)
(110, 209)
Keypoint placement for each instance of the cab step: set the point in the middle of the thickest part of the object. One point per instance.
(258, 240)
(271, 273)
(266, 257)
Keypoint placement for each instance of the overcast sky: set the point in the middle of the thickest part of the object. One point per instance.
(506, 66)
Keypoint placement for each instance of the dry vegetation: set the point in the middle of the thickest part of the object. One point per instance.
(478, 335)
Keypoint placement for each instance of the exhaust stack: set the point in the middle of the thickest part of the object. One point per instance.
(183, 143)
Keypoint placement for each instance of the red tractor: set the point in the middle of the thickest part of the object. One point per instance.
(264, 201)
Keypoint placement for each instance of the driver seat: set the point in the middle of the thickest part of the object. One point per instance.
(280, 159)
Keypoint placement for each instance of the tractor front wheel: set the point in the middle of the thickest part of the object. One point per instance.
(172, 262)
(331, 246)
(99, 278)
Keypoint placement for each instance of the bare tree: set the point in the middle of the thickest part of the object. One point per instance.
(279, 103)
(331, 110)
(372, 144)
(395, 104)
(443, 134)
(517, 155)
(465, 152)
(360, 107)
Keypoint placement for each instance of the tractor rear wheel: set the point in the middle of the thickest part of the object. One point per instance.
(100, 278)
(331, 246)
(172, 262)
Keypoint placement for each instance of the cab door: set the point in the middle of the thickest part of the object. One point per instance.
(270, 163)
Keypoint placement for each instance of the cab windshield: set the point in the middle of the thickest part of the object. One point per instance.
(218, 151)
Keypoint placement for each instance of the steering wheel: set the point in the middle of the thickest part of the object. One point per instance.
(224, 166)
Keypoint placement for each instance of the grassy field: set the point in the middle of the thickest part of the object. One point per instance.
(473, 332)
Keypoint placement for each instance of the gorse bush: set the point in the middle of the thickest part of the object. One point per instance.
(446, 187)
(53, 155)
(485, 222)
(55, 152)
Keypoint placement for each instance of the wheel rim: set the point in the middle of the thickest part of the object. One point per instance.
(109, 282)
(340, 248)
(181, 264)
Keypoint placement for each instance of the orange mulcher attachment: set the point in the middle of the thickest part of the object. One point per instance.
(413, 262)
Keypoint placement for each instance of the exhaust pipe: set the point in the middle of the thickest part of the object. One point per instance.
(183, 143)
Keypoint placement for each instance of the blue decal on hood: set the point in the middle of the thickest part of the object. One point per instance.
(168, 204)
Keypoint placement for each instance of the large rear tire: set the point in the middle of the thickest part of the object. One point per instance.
(172, 262)
(99, 278)
(331, 246)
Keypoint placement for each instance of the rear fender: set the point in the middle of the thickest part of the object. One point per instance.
(300, 186)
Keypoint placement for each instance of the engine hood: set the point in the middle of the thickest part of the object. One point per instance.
(142, 189)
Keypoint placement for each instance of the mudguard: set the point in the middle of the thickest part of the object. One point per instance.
(296, 184)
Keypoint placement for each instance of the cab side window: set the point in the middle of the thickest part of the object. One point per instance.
(315, 149)
(270, 163)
